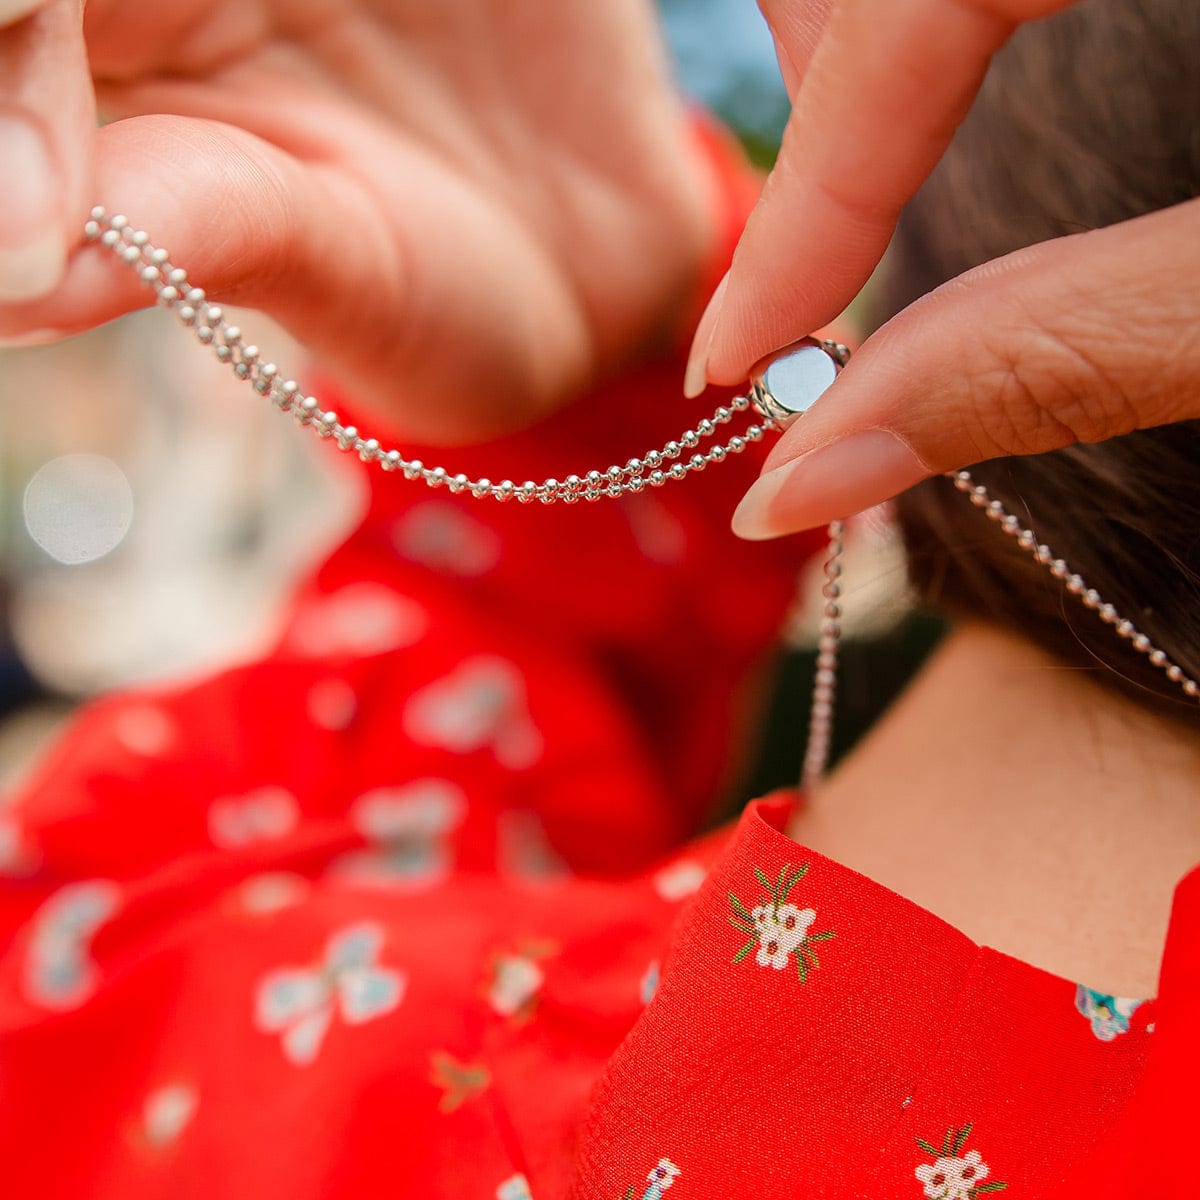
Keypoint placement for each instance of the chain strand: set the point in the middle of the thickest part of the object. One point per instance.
(190, 305)
(207, 322)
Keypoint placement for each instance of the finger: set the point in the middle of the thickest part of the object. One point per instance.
(797, 30)
(47, 119)
(1075, 340)
(883, 93)
(375, 275)
(239, 212)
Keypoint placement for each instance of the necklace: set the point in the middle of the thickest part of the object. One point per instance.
(780, 393)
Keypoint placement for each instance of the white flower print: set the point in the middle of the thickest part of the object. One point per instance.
(408, 830)
(778, 930)
(954, 1175)
(263, 815)
(479, 705)
(679, 880)
(359, 620)
(792, 924)
(660, 1178)
(953, 1178)
(516, 1188)
(59, 971)
(773, 951)
(299, 1003)
(272, 891)
(167, 1112)
(438, 535)
(516, 980)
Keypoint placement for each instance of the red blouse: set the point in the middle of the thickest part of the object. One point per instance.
(407, 907)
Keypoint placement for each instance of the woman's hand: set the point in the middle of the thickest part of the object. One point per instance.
(1078, 339)
(469, 209)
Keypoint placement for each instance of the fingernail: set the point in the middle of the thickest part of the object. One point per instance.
(695, 378)
(827, 484)
(33, 251)
(12, 11)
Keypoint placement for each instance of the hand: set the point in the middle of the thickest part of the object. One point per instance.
(470, 210)
(1079, 339)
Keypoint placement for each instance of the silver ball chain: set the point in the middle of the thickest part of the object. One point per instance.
(654, 469)
(672, 462)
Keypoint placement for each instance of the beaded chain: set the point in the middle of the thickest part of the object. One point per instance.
(209, 326)
(207, 322)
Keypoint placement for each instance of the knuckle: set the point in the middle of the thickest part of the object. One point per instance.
(1048, 388)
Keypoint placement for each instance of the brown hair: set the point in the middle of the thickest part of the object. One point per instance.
(1085, 119)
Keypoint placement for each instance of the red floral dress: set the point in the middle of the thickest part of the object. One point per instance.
(408, 907)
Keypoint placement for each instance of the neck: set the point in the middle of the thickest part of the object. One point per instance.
(1026, 805)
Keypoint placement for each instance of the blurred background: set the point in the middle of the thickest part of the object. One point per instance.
(154, 511)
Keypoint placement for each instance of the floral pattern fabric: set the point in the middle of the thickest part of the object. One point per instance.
(414, 905)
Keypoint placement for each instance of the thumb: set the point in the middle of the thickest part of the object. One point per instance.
(1074, 340)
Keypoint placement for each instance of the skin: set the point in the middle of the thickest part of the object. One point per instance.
(421, 194)
(1029, 807)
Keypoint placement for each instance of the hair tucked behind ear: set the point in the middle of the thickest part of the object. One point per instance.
(1086, 119)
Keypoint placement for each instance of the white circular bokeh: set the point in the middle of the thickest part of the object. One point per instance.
(78, 508)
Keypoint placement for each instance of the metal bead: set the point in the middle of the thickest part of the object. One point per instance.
(657, 478)
(737, 444)
(481, 488)
(505, 490)
(634, 466)
(653, 459)
(91, 231)
(636, 485)
(614, 474)
(436, 477)
(705, 428)
(697, 462)
(717, 454)
(391, 461)
(414, 469)
(527, 491)
(110, 237)
(672, 450)
(594, 480)
(690, 438)
(678, 471)
(1175, 673)
(1191, 687)
(459, 483)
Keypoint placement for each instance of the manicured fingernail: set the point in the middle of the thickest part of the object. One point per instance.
(12, 11)
(33, 250)
(827, 484)
(695, 378)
